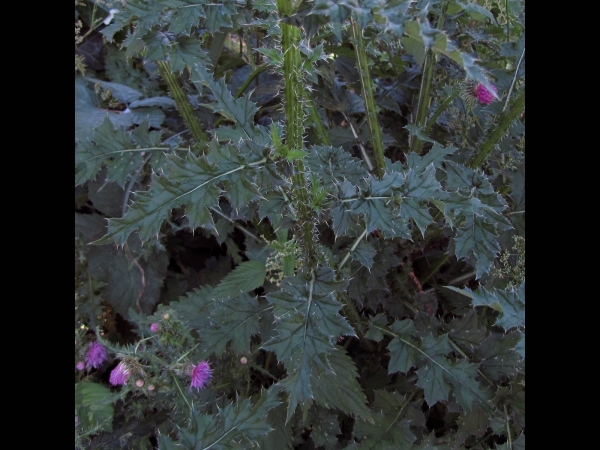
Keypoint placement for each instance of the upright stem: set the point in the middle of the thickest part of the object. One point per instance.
(506, 118)
(425, 91)
(294, 89)
(423, 105)
(183, 104)
(367, 88)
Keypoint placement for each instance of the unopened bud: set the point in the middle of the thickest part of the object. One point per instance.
(139, 383)
(243, 360)
(150, 387)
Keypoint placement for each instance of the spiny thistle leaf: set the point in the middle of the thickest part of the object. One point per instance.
(340, 389)
(94, 405)
(391, 428)
(192, 182)
(308, 324)
(239, 420)
(117, 147)
(246, 277)
(240, 111)
(510, 302)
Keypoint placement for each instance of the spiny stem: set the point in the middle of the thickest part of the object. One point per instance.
(316, 122)
(510, 446)
(504, 122)
(438, 112)
(183, 104)
(354, 245)
(434, 269)
(514, 81)
(424, 93)
(371, 108)
(423, 105)
(294, 89)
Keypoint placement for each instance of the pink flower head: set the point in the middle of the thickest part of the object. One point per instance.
(154, 327)
(119, 375)
(484, 95)
(95, 355)
(201, 374)
(80, 365)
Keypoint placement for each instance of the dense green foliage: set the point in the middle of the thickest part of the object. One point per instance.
(322, 199)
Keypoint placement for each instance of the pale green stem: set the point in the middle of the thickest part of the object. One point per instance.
(354, 245)
(370, 106)
(315, 120)
(424, 93)
(183, 104)
(216, 47)
(294, 89)
(424, 97)
(504, 122)
(445, 104)
(514, 81)
(510, 446)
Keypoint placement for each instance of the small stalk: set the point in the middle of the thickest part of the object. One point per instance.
(183, 104)
(424, 97)
(425, 91)
(367, 88)
(315, 120)
(514, 81)
(216, 47)
(438, 112)
(504, 122)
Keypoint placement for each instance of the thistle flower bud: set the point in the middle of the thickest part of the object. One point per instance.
(80, 365)
(95, 355)
(119, 375)
(243, 360)
(201, 375)
(139, 383)
(154, 327)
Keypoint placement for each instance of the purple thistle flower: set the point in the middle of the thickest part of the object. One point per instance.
(484, 95)
(95, 355)
(80, 365)
(201, 374)
(154, 327)
(119, 375)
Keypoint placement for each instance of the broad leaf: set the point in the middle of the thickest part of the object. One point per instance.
(308, 325)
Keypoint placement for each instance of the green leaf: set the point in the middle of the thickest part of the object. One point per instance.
(394, 13)
(391, 428)
(364, 254)
(467, 331)
(499, 357)
(477, 239)
(246, 277)
(240, 111)
(308, 325)
(510, 302)
(131, 281)
(183, 19)
(373, 203)
(88, 116)
(281, 436)
(376, 323)
(192, 182)
(339, 388)
(94, 406)
(334, 165)
(235, 422)
(402, 356)
(431, 373)
(472, 423)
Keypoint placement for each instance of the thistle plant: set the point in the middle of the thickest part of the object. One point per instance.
(290, 224)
